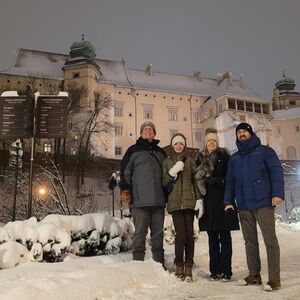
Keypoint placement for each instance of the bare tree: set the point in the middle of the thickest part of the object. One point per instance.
(86, 123)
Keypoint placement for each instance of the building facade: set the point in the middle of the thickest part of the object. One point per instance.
(175, 103)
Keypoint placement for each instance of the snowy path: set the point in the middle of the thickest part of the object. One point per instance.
(117, 277)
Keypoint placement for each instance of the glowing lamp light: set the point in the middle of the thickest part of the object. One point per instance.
(42, 191)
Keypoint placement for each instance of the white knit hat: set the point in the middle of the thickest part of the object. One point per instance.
(178, 138)
(211, 134)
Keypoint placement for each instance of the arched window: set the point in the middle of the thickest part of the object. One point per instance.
(291, 153)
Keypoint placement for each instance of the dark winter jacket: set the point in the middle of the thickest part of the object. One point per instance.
(214, 217)
(185, 191)
(254, 175)
(141, 173)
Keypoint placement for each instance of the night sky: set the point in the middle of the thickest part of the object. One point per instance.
(258, 38)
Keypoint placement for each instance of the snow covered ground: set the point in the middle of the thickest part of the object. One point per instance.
(118, 277)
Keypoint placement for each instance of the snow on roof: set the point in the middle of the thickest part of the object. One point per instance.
(233, 89)
(49, 65)
(286, 114)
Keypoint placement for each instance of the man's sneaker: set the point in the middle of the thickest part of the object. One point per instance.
(272, 286)
(252, 280)
(215, 277)
(226, 278)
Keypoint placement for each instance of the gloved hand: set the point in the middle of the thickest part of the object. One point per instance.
(176, 168)
(126, 196)
(231, 217)
(199, 208)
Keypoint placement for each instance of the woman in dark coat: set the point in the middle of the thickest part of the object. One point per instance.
(210, 176)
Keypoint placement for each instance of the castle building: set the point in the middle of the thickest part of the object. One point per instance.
(175, 103)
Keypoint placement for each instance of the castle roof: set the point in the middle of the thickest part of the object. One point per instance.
(43, 64)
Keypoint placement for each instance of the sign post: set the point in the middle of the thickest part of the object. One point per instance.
(16, 113)
(52, 117)
(23, 117)
(50, 121)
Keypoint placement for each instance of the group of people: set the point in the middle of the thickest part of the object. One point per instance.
(216, 188)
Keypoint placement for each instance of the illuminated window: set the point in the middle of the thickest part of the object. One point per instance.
(47, 147)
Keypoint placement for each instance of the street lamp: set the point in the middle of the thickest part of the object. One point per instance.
(42, 191)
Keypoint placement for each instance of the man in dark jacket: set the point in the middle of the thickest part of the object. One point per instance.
(141, 175)
(255, 181)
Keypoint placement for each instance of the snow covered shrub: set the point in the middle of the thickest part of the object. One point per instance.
(56, 235)
(113, 246)
(295, 215)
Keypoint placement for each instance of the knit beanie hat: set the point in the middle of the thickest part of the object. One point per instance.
(178, 138)
(244, 126)
(211, 134)
(147, 123)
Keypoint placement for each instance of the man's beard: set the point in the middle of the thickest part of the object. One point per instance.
(242, 138)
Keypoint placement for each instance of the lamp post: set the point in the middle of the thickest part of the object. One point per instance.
(16, 153)
(114, 180)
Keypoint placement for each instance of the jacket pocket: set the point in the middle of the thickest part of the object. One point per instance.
(262, 190)
(238, 194)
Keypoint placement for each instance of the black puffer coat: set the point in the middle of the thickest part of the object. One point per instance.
(214, 217)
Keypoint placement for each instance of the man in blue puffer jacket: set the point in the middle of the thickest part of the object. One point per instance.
(254, 183)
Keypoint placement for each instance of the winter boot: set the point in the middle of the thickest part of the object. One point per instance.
(188, 273)
(252, 279)
(272, 286)
(180, 272)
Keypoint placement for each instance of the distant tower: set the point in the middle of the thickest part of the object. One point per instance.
(284, 96)
(81, 52)
(82, 69)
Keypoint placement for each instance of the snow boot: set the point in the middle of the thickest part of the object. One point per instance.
(272, 286)
(179, 273)
(251, 280)
(188, 273)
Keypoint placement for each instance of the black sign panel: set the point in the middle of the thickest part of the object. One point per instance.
(52, 117)
(15, 115)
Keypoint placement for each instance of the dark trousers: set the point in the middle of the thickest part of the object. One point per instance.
(220, 252)
(183, 221)
(265, 218)
(144, 218)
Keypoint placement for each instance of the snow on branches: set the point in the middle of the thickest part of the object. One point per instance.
(57, 236)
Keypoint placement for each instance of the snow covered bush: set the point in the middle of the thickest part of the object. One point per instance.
(56, 236)
(295, 215)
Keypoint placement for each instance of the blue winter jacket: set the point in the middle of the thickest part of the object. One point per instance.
(254, 176)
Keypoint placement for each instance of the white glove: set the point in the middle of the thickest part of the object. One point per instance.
(176, 168)
(199, 208)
